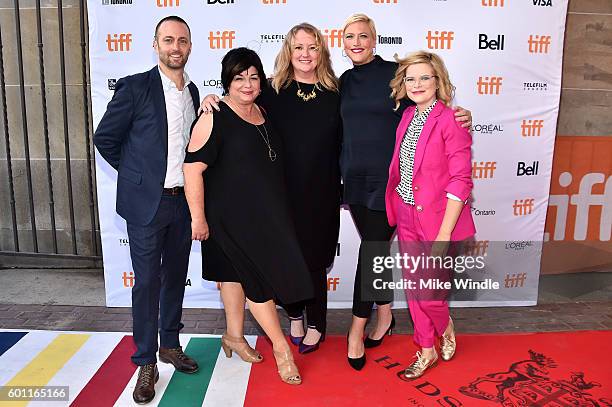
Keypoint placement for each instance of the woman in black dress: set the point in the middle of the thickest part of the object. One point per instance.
(244, 217)
(303, 105)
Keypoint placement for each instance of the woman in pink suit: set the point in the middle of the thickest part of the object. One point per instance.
(429, 185)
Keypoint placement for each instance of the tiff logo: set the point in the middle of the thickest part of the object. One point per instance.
(128, 279)
(523, 206)
(385, 1)
(333, 38)
(532, 128)
(221, 40)
(515, 280)
(489, 86)
(118, 42)
(493, 3)
(484, 169)
(333, 283)
(524, 169)
(584, 200)
(493, 44)
(538, 44)
(274, 1)
(440, 39)
(477, 247)
(168, 3)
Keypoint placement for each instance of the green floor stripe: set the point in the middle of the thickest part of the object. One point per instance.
(190, 389)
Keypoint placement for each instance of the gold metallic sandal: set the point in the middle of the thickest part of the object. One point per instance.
(241, 347)
(419, 366)
(287, 370)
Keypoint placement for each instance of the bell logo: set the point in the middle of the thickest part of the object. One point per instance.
(489, 86)
(118, 42)
(496, 44)
(522, 206)
(221, 40)
(483, 169)
(333, 38)
(493, 3)
(274, 1)
(532, 128)
(168, 3)
(524, 169)
(333, 283)
(128, 279)
(440, 39)
(538, 44)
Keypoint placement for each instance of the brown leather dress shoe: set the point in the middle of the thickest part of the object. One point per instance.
(144, 391)
(181, 362)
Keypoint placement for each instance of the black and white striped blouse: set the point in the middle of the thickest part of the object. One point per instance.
(406, 153)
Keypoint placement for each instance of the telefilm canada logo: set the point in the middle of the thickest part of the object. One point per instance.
(535, 86)
(271, 38)
(116, 2)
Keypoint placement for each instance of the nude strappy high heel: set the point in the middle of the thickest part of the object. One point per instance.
(287, 370)
(241, 347)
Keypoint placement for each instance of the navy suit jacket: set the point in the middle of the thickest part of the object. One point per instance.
(133, 137)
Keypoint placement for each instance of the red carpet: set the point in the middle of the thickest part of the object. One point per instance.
(541, 369)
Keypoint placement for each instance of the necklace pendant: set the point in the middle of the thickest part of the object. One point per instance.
(306, 97)
(272, 155)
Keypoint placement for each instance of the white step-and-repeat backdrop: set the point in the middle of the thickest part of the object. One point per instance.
(504, 57)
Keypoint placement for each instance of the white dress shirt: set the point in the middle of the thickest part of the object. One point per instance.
(180, 114)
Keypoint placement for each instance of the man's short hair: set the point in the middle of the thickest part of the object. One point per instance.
(171, 18)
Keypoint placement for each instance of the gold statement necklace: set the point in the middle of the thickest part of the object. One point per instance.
(305, 97)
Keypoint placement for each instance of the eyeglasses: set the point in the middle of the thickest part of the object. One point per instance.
(425, 80)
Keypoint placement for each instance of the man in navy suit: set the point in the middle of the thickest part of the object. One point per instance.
(143, 135)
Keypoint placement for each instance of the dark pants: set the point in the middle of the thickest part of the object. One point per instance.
(373, 227)
(316, 308)
(160, 256)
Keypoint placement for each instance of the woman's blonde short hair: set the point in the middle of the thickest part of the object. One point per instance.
(283, 69)
(445, 90)
(360, 18)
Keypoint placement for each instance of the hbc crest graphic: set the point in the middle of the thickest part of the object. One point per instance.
(528, 383)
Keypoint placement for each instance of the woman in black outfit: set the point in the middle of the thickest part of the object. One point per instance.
(369, 124)
(247, 214)
(303, 105)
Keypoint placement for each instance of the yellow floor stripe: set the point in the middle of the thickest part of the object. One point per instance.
(47, 363)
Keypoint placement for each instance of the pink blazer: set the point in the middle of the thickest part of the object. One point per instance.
(442, 163)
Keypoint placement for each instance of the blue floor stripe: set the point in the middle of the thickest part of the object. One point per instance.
(8, 339)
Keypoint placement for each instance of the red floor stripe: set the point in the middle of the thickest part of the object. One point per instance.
(563, 368)
(110, 380)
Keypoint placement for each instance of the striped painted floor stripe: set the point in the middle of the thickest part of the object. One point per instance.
(48, 362)
(98, 371)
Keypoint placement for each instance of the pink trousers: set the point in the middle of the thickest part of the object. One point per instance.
(430, 316)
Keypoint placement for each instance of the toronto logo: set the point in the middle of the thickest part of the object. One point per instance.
(528, 383)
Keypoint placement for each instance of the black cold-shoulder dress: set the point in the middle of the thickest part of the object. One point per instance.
(252, 236)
